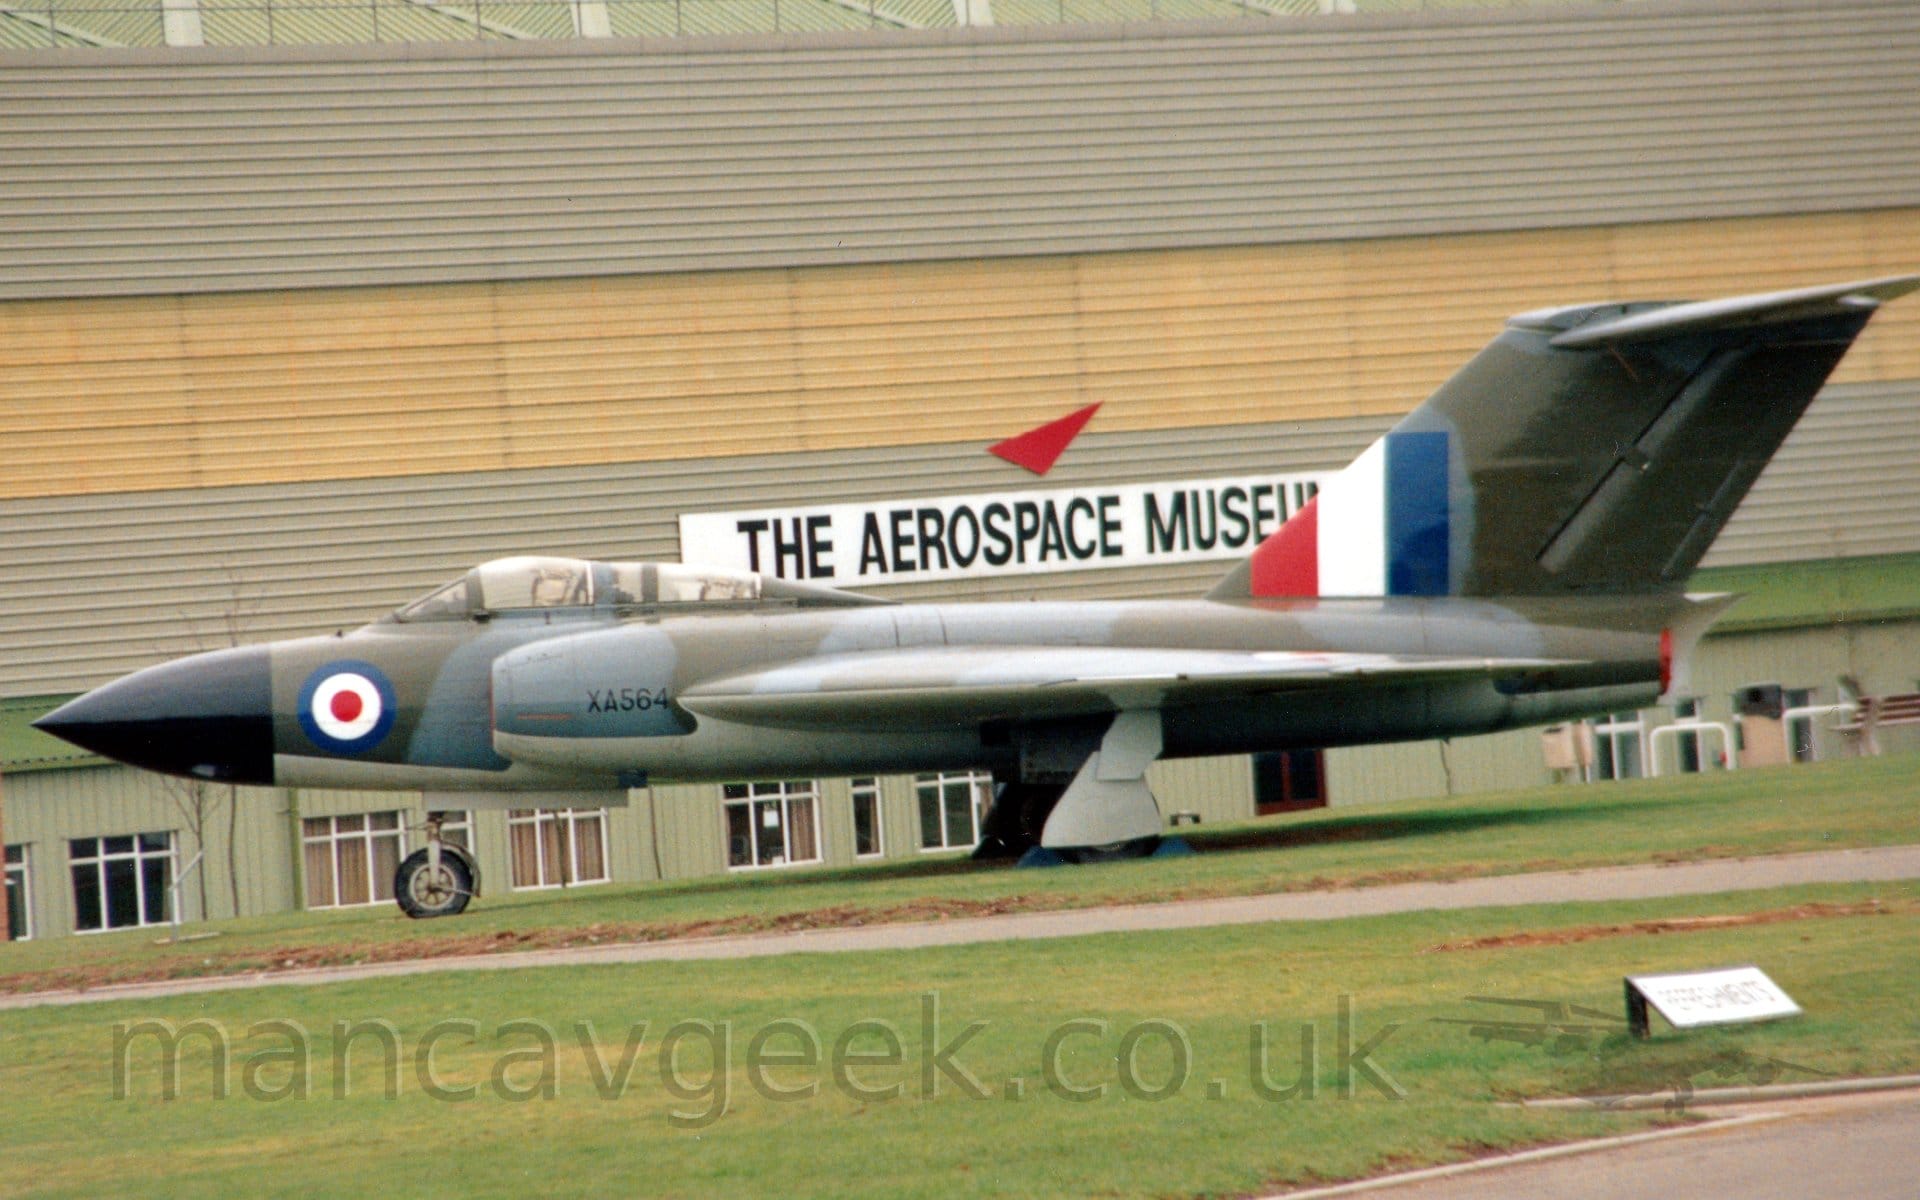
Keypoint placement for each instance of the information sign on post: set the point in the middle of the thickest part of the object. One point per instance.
(1694, 998)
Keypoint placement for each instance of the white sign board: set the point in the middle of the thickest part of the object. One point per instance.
(1000, 533)
(1714, 997)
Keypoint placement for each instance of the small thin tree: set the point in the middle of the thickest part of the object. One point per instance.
(198, 801)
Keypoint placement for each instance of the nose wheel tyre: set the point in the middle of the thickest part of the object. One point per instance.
(425, 890)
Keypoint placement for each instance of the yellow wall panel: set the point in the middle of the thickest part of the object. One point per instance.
(352, 320)
(63, 332)
(1892, 343)
(214, 390)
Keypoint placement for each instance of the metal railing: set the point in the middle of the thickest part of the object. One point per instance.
(1728, 756)
(30, 24)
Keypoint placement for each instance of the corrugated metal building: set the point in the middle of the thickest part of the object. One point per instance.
(293, 335)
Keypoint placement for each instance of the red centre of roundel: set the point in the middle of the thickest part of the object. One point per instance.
(346, 705)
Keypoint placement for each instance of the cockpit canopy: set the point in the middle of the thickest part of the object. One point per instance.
(508, 585)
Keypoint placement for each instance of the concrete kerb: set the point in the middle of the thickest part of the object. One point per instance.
(1566, 1150)
(1779, 1093)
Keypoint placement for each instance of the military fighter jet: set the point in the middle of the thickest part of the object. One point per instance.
(1513, 552)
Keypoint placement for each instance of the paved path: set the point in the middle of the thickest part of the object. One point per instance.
(1856, 1148)
(1550, 887)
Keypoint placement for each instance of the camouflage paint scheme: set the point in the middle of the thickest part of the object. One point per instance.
(863, 690)
(1512, 553)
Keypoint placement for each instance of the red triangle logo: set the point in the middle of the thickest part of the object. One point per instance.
(1038, 449)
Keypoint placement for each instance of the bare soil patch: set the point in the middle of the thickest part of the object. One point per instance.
(1587, 933)
(300, 957)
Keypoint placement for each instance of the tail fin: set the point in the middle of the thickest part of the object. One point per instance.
(1596, 449)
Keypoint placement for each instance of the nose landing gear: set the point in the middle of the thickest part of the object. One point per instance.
(436, 880)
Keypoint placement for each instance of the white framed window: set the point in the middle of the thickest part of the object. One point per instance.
(772, 824)
(350, 860)
(1619, 747)
(1687, 745)
(869, 838)
(19, 895)
(557, 847)
(120, 882)
(952, 804)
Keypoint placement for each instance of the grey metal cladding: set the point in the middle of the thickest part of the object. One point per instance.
(285, 167)
(1844, 484)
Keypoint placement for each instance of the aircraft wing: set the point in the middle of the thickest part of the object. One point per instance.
(913, 685)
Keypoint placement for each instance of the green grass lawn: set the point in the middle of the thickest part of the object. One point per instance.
(1857, 803)
(1154, 1067)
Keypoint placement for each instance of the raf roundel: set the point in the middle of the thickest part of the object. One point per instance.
(347, 707)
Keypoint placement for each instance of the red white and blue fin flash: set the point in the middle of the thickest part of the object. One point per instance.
(1382, 527)
(347, 707)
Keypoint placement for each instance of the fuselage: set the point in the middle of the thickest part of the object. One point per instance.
(588, 697)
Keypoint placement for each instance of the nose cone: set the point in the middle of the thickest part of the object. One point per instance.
(206, 717)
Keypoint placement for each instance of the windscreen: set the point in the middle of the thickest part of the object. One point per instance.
(515, 583)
